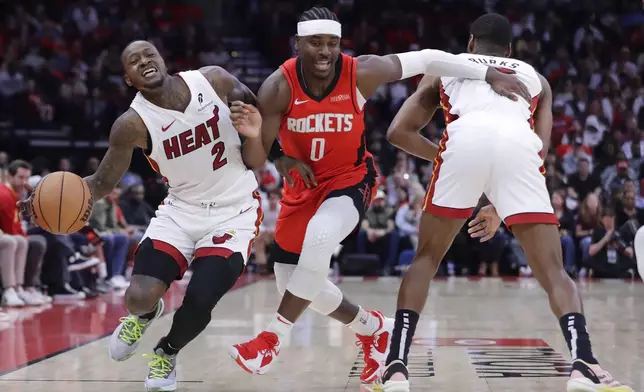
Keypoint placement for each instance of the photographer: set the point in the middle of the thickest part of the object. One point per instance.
(610, 254)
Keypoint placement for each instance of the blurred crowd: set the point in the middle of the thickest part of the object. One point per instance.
(60, 66)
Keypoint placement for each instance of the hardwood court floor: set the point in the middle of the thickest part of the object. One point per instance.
(475, 335)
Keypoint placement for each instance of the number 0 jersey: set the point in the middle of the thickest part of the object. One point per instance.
(198, 151)
(326, 132)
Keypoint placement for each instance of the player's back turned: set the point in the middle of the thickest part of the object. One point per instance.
(463, 97)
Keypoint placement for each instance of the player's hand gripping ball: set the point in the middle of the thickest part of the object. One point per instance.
(61, 203)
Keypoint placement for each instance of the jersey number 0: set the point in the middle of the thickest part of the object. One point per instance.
(317, 149)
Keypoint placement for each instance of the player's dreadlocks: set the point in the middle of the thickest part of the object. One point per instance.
(318, 13)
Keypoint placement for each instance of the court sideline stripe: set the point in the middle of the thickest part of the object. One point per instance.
(251, 280)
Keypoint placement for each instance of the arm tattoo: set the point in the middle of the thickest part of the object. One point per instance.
(117, 159)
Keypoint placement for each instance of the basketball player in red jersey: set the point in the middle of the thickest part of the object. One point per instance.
(512, 134)
(315, 102)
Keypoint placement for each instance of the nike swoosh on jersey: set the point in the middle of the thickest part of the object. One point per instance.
(298, 102)
(163, 129)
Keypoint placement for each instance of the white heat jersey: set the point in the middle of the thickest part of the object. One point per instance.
(464, 96)
(198, 151)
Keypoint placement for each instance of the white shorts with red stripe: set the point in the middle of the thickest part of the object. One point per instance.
(492, 154)
(187, 231)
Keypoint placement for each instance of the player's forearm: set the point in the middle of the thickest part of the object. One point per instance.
(439, 63)
(253, 153)
(413, 143)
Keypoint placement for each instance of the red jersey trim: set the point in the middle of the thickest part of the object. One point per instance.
(289, 79)
(353, 79)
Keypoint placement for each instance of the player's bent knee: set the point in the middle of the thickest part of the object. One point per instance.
(327, 300)
(149, 261)
(283, 273)
(212, 277)
(141, 299)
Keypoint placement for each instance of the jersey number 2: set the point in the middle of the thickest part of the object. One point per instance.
(317, 149)
(218, 149)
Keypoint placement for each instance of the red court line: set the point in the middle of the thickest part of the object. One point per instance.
(42, 333)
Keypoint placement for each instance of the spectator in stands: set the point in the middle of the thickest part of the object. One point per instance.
(271, 210)
(105, 221)
(627, 210)
(566, 231)
(4, 162)
(379, 233)
(22, 280)
(13, 257)
(610, 256)
(589, 218)
(136, 211)
(583, 182)
(614, 177)
(408, 218)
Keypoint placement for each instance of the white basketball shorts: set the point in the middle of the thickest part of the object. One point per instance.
(188, 231)
(485, 153)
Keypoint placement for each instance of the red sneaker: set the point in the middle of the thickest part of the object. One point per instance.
(256, 356)
(375, 348)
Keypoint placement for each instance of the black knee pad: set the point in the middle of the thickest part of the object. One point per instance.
(151, 262)
(212, 277)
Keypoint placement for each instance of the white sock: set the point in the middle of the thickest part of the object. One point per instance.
(102, 270)
(365, 323)
(280, 326)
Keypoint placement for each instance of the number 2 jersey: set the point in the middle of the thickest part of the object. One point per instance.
(327, 132)
(197, 151)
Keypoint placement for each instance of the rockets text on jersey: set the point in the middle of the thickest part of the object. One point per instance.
(326, 132)
(198, 151)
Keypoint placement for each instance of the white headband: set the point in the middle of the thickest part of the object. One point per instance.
(319, 26)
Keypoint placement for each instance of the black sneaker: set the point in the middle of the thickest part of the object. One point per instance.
(79, 262)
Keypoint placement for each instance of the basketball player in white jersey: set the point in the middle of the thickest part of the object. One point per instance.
(492, 145)
(211, 214)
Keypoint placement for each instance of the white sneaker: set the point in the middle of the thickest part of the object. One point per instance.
(68, 293)
(126, 337)
(525, 272)
(45, 298)
(10, 298)
(30, 298)
(119, 282)
(163, 372)
(592, 378)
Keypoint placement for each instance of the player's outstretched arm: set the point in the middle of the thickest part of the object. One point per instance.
(128, 132)
(273, 99)
(413, 116)
(543, 116)
(375, 70)
(227, 86)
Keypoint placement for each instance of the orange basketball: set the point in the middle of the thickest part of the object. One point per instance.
(62, 203)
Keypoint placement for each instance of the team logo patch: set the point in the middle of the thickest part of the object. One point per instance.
(227, 236)
(200, 97)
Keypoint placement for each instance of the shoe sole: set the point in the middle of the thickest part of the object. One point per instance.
(81, 266)
(234, 354)
(167, 388)
(128, 356)
(585, 385)
(396, 386)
